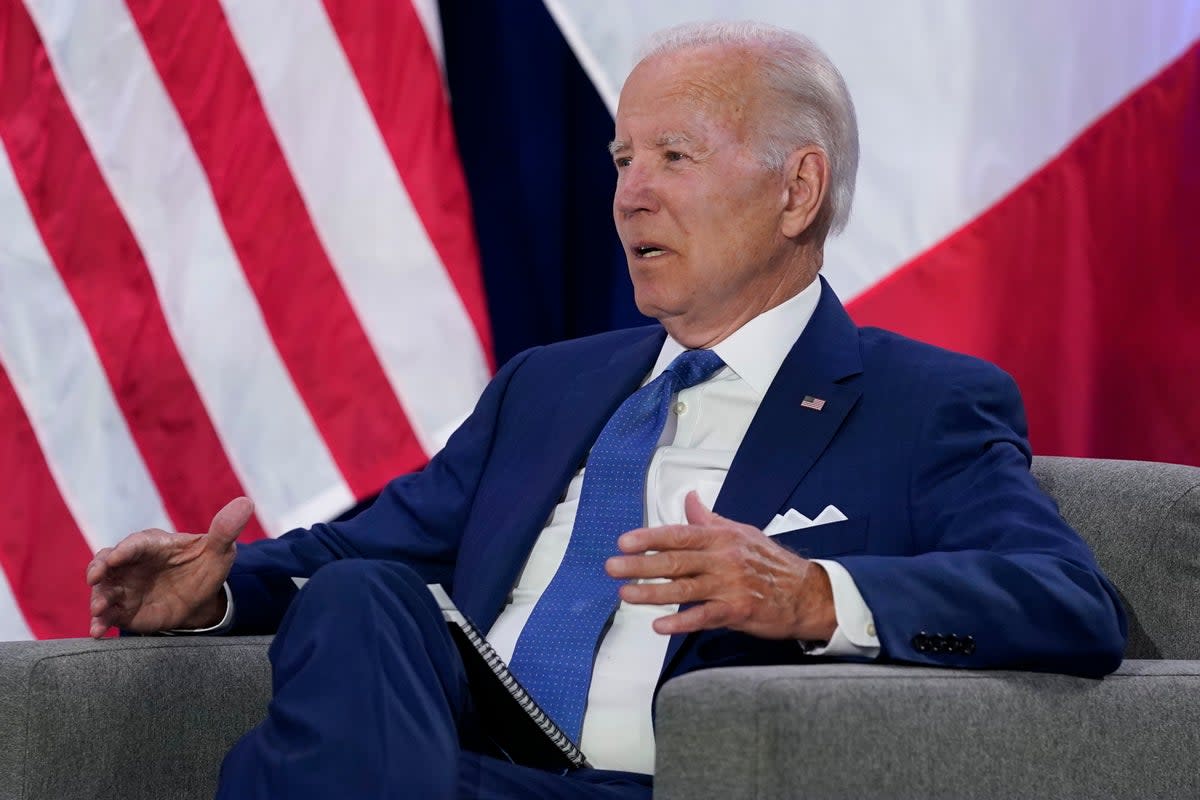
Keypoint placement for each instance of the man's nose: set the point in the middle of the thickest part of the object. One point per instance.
(636, 191)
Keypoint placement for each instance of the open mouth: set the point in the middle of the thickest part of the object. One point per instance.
(648, 251)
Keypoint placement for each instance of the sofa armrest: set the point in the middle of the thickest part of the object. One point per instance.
(135, 718)
(874, 731)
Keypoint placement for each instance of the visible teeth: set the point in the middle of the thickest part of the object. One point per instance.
(649, 252)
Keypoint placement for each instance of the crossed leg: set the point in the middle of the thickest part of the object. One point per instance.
(370, 700)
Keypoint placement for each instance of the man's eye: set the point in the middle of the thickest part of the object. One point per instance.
(623, 161)
(674, 155)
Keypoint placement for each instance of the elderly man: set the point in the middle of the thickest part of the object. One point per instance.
(756, 397)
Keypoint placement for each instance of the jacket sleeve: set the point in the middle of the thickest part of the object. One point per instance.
(999, 579)
(417, 519)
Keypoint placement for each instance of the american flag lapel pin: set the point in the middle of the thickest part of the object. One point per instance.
(815, 403)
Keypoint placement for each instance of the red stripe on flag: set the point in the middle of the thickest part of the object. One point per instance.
(41, 549)
(321, 340)
(394, 63)
(105, 273)
(1083, 283)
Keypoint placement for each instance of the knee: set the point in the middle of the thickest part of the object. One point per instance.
(349, 571)
(357, 581)
(362, 602)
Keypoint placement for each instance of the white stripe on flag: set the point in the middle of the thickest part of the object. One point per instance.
(12, 621)
(957, 102)
(392, 275)
(427, 12)
(147, 160)
(56, 373)
(574, 22)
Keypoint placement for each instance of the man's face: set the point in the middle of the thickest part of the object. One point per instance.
(698, 214)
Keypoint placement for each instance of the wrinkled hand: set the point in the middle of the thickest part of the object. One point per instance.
(153, 580)
(736, 575)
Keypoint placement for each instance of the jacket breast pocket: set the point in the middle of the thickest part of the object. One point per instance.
(831, 539)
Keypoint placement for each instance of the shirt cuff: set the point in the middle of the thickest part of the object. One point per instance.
(221, 627)
(855, 632)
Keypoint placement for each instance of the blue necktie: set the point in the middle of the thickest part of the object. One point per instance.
(556, 649)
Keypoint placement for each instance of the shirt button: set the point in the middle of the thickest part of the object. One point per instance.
(870, 629)
(680, 408)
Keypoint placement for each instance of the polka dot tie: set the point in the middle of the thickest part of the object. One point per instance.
(556, 649)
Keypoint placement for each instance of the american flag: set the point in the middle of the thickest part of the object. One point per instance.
(236, 254)
(815, 403)
(236, 257)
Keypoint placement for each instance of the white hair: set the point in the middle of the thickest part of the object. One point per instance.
(814, 106)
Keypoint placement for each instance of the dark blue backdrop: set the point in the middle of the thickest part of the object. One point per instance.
(533, 135)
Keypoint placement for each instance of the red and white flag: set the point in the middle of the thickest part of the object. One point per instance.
(236, 257)
(1029, 191)
(236, 254)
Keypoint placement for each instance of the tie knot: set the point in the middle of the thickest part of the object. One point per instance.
(694, 366)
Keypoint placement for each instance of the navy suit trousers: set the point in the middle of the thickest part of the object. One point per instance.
(371, 701)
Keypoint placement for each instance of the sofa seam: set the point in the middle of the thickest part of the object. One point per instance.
(1183, 496)
(211, 643)
(973, 674)
(982, 675)
(25, 749)
(759, 750)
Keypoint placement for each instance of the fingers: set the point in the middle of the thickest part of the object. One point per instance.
(692, 589)
(703, 529)
(105, 597)
(97, 568)
(107, 609)
(702, 617)
(696, 512)
(666, 537)
(100, 626)
(109, 558)
(664, 564)
(779, 603)
(132, 548)
(230, 521)
(730, 575)
(97, 629)
(144, 582)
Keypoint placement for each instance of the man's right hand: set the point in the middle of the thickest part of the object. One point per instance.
(154, 580)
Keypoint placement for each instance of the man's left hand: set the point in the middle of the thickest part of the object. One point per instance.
(737, 577)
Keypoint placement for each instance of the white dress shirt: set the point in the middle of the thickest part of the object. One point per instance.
(697, 446)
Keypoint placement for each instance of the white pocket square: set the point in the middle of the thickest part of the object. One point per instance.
(793, 520)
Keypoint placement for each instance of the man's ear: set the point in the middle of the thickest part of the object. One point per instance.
(807, 187)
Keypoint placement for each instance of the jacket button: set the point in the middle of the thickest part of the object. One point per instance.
(920, 642)
(969, 645)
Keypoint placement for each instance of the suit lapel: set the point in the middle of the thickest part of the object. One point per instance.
(786, 438)
(587, 401)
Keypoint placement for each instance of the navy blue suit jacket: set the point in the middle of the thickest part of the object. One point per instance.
(923, 450)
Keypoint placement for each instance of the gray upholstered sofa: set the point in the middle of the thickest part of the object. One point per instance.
(148, 719)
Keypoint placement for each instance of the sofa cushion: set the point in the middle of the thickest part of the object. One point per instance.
(881, 732)
(130, 719)
(1142, 520)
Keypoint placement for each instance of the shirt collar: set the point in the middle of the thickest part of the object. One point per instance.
(755, 351)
